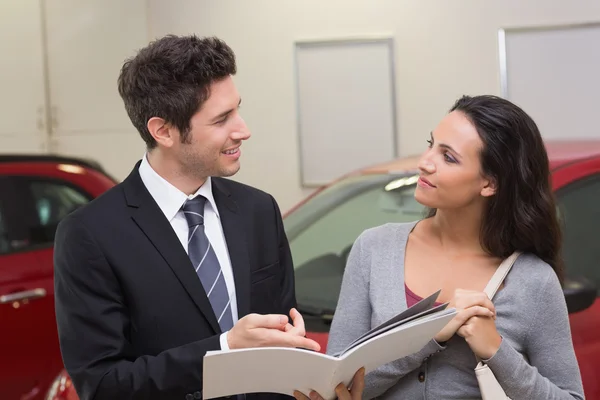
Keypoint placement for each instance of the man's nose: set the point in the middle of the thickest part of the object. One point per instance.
(241, 131)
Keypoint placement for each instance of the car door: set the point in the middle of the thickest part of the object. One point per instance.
(579, 208)
(31, 209)
(25, 303)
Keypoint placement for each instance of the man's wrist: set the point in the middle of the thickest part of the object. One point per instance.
(223, 341)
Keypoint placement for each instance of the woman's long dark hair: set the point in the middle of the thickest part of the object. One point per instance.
(522, 214)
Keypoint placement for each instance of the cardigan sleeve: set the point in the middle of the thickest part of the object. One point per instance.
(552, 372)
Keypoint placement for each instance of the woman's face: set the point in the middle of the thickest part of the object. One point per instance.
(450, 169)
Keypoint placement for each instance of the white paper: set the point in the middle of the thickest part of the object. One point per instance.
(283, 370)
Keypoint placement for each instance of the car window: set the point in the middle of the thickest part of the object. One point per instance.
(30, 210)
(4, 240)
(320, 249)
(52, 201)
(12, 235)
(579, 205)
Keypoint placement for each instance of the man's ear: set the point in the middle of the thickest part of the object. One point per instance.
(489, 188)
(161, 131)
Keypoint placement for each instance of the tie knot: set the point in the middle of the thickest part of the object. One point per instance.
(194, 211)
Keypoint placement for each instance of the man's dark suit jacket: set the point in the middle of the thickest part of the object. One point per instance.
(133, 319)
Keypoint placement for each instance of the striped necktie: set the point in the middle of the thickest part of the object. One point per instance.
(205, 262)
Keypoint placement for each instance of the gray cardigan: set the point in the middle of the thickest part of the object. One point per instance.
(531, 317)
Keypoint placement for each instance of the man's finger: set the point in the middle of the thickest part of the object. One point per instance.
(300, 396)
(288, 327)
(271, 321)
(277, 338)
(303, 342)
(315, 396)
(358, 384)
(298, 322)
(342, 392)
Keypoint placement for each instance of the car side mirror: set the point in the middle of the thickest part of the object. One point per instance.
(580, 293)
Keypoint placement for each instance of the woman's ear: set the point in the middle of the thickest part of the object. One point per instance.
(489, 188)
(161, 131)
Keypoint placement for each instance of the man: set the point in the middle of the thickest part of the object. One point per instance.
(175, 260)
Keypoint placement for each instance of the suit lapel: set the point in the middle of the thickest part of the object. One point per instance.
(235, 237)
(151, 220)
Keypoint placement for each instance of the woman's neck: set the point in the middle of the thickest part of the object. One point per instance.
(458, 230)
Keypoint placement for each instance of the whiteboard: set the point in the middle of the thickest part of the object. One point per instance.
(345, 106)
(553, 73)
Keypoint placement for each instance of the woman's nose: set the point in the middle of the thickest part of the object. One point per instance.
(426, 164)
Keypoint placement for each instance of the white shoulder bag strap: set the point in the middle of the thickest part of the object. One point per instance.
(488, 384)
(500, 274)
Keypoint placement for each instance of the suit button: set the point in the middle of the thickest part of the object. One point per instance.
(421, 377)
(197, 395)
(189, 396)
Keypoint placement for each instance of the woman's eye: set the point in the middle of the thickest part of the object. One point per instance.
(449, 158)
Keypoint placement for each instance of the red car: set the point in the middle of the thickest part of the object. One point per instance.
(36, 192)
(322, 228)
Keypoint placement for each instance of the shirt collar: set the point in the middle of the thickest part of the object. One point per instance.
(168, 197)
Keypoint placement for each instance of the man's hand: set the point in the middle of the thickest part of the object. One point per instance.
(298, 324)
(255, 330)
(469, 304)
(342, 392)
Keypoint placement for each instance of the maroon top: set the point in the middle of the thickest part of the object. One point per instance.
(412, 299)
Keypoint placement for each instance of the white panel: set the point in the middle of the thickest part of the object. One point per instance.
(21, 144)
(21, 77)
(88, 42)
(346, 107)
(116, 151)
(554, 74)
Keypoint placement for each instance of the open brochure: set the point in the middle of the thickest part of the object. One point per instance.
(283, 370)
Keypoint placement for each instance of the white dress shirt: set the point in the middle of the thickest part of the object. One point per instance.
(170, 200)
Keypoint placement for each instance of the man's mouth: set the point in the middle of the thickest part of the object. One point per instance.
(231, 151)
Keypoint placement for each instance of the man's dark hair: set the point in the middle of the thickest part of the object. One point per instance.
(171, 78)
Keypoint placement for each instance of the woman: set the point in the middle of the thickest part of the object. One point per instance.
(485, 178)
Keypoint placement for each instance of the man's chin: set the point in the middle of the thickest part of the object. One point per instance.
(227, 172)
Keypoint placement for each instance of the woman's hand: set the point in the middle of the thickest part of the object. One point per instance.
(469, 304)
(481, 336)
(343, 393)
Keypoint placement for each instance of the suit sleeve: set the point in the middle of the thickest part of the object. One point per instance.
(93, 327)
(288, 288)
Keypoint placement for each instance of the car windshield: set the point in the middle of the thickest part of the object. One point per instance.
(321, 231)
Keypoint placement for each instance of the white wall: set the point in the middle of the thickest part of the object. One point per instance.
(443, 49)
(62, 61)
(23, 127)
(88, 41)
